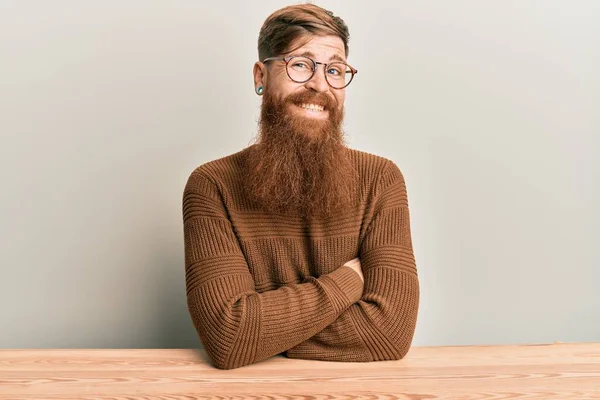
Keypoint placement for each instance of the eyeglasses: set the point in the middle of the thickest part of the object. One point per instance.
(301, 69)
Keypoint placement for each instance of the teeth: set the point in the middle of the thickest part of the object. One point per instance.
(312, 107)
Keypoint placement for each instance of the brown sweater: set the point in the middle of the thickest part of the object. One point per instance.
(263, 284)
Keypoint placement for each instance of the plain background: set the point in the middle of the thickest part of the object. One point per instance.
(490, 109)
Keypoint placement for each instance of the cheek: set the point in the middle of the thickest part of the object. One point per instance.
(279, 85)
(284, 89)
(340, 99)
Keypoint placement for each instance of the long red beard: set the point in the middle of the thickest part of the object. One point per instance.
(300, 165)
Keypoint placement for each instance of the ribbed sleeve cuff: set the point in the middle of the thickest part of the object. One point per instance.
(343, 286)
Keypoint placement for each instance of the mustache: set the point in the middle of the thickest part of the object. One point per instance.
(320, 99)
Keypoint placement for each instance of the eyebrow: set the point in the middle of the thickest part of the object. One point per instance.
(311, 55)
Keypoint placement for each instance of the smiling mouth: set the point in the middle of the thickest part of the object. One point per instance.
(312, 107)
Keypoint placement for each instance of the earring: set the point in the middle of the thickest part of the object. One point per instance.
(259, 90)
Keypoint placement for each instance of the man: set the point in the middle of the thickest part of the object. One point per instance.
(298, 244)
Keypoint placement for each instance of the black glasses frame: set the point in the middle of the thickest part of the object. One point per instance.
(353, 71)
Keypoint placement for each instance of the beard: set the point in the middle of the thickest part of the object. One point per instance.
(300, 165)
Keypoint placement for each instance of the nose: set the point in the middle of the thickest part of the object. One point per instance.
(318, 82)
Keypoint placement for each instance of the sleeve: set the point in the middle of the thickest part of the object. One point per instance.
(237, 325)
(381, 325)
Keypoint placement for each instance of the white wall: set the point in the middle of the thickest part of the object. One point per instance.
(489, 108)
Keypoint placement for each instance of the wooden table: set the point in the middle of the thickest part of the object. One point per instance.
(544, 371)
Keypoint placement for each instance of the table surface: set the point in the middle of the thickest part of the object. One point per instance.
(529, 371)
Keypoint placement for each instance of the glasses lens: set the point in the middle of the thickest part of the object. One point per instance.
(338, 74)
(300, 69)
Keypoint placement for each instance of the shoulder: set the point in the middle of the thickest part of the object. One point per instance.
(379, 168)
(388, 187)
(212, 172)
(218, 167)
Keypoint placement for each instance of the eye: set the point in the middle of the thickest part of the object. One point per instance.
(336, 71)
(300, 65)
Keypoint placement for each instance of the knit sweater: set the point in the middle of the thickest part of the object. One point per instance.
(262, 284)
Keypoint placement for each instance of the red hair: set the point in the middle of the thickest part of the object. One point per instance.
(288, 24)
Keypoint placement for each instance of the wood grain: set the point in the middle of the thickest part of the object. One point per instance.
(541, 371)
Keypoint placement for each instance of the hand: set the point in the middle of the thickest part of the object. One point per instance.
(355, 265)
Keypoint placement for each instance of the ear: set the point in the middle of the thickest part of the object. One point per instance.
(260, 75)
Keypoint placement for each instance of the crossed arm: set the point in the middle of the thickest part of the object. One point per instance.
(335, 316)
(237, 324)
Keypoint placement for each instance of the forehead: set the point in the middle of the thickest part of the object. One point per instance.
(322, 48)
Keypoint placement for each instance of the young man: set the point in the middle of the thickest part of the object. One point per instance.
(298, 244)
